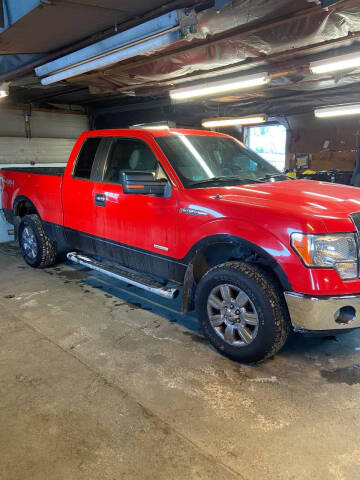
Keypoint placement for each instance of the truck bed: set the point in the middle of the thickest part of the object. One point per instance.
(56, 171)
(40, 185)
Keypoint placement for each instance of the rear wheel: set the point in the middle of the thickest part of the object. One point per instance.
(241, 312)
(37, 248)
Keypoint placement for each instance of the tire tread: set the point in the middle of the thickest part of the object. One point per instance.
(48, 248)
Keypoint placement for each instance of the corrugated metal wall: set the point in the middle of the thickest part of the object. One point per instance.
(39, 150)
(43, 124)
(53, 135)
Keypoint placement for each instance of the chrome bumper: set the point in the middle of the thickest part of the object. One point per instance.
(323, 313)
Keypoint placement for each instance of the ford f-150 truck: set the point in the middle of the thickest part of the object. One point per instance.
(196, 212)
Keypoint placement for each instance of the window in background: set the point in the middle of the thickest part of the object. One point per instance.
(269, 141)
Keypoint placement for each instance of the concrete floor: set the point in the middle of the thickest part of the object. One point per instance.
(94, 387)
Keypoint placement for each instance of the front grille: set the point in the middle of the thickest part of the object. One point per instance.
(355, 217)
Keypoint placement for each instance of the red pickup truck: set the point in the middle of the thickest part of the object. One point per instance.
(196, 212)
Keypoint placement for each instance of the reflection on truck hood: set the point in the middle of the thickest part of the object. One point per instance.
(328, 202)
(308, 195)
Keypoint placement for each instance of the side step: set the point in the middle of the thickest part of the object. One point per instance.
(133, 278)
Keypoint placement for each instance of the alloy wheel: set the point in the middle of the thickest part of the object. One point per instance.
(232, 315)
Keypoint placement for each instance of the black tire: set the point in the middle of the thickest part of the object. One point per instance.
(265, 299)
(44, 253)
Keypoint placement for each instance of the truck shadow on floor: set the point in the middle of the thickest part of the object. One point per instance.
(135, 297)
(311, 346)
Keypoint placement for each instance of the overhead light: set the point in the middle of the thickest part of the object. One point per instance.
(230, 122)
(155, 125)
(334, 64)
(110, 59)
(339, 111)
(4, 89)
(213, 88)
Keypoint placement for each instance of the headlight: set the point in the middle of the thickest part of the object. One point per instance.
(338, 251)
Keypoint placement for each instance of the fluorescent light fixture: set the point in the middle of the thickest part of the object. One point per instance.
(339, 111)
(155, 127)
(342, 62)
(4, 89)
(142, 39)
(223, 86)
(119, 41)
(230, 122)
(164, 125)
(105, 61)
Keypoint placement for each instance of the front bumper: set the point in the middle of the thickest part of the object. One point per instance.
(323, 313)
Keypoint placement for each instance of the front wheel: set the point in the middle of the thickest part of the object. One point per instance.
(241, 312)
(37, 248)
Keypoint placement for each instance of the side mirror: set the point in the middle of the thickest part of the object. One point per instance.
(143, 183)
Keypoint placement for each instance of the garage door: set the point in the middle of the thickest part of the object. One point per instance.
(52, 136)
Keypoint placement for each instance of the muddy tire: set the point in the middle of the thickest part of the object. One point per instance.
(37, 248)
(242, 312)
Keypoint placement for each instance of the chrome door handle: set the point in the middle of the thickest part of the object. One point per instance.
(100, 199)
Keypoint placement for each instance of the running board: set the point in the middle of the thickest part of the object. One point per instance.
(133, 278)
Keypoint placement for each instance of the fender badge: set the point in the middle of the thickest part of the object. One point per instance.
(192, 211)
(160, 247)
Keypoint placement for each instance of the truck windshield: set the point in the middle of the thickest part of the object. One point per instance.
(205, 160)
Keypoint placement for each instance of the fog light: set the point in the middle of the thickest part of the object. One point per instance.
(345, 315)
(347, 270)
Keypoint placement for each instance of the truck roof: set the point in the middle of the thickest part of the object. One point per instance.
(154, 132)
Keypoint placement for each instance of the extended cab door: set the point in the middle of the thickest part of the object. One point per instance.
(146, 223)
(80, 213)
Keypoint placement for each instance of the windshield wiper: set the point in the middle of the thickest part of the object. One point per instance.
(225, 180)
(272, 175)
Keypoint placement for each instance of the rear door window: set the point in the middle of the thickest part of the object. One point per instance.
(86, 157)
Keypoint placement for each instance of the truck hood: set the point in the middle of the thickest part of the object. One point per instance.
(309, 196)
(328, 203)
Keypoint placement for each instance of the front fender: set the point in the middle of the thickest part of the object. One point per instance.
(280, 256)
(252, 233)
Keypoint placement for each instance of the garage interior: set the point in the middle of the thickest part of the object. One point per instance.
(101, 380)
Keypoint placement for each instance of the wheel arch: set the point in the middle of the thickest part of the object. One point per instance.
(217, 249)
(23, 206)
